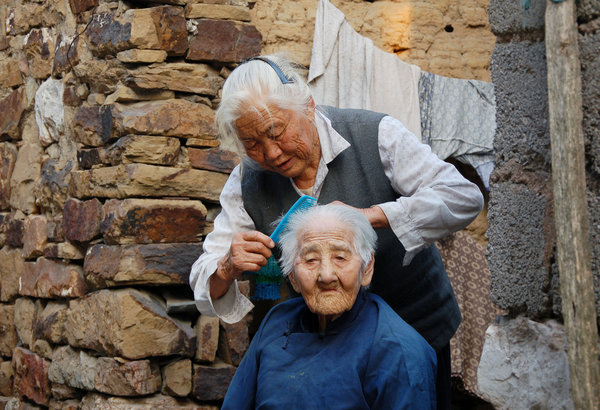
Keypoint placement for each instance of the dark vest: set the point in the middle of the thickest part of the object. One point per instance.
(420, 292)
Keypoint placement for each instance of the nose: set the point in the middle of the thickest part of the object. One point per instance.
(271, 150)
(327, 273)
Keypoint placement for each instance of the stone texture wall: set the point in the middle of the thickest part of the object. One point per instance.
(110, 172)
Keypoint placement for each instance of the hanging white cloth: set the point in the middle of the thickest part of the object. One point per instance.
(348, 71)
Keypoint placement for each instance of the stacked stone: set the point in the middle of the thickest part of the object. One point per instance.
(110, 173)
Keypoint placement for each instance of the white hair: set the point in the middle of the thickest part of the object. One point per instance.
(254, 86)
(364, 236)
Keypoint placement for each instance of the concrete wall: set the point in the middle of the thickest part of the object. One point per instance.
(521, 227)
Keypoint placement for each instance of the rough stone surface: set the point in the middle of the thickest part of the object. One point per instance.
(524, 364)
(25, 177)
(39, 50)
(224, 41)
(126, 94)
(183, 77)
(519, 75)
(46, 278)
(63, 250)
(514, 17)
(74, 368)
(81, 219)
(50, 324)
(217, 11)
(177, 378)
(159, 264)
(93, 125)
(26, 313)
(12, 108)
(589, 47)
(213, 159)
(147, 180)
(207, 334)
(35, 237)
(161, 28)
(6, 378)
(233, 342)
(174, 118)
(143, 149)
(127, 323)
(8, 157)
(119, 377)
(11, 267)
(211, 382)
(8, 332)
(94, 401)
(152, 221)
(10, 75)
(31, 376)
(520, 274)
(49, 110)
(142, 56)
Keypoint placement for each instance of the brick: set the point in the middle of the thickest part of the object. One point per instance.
(224, 41)
(217, 11)
(142, 56)
(11, 268)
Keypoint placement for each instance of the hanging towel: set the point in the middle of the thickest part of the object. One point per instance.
(348, 71)
(458, 119)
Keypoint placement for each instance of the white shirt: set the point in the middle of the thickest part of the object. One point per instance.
(435, 201)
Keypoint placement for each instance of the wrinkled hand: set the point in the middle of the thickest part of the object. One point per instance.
(249, 251)
(374, 215)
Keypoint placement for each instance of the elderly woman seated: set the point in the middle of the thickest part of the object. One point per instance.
(339, 346)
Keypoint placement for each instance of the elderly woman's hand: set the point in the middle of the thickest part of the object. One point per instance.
(249, 251)
(374, 215)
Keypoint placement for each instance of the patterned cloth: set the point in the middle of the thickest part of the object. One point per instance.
(467, 268)
(458, 119)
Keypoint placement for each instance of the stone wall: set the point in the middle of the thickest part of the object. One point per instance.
(110, 172)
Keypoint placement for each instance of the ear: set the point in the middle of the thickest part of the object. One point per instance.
(292, 278)
(310, 110)
(368, 272)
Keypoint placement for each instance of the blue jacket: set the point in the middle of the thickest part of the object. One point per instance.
(369, 358)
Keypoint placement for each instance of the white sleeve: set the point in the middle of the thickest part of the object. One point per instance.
(232, 306)
(435, 200)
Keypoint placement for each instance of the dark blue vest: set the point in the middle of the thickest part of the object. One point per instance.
(420, 292)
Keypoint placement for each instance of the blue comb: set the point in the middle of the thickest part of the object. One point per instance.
(269, 277)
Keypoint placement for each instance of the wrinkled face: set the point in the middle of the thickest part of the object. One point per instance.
(327, 270)
(284, 142)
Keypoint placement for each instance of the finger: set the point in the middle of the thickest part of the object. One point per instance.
(256, 236)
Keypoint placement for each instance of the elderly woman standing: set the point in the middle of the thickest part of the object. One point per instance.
(337, 347)
(363, 159)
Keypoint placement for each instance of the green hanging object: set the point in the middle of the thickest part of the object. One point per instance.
(267, 283)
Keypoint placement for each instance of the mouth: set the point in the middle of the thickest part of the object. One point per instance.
(283, 166)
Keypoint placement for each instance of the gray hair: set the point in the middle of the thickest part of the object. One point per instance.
(365, 238)
(253, 86)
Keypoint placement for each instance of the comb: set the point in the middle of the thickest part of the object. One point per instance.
(269, 277)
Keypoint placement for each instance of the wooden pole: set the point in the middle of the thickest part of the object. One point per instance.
(570, 205)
